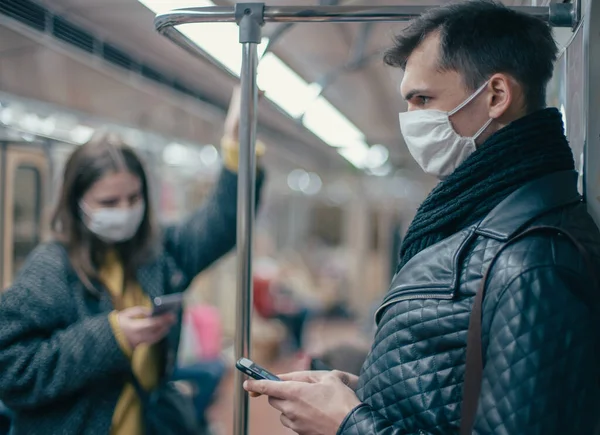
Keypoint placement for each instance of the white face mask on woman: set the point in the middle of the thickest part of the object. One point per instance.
(114, 225)
(433, 142)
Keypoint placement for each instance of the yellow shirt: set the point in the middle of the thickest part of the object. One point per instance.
(127, 419)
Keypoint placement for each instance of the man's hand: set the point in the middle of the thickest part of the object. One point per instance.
(311, 403)
(314, 376)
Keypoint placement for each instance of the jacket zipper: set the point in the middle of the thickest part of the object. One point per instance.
(397, 299)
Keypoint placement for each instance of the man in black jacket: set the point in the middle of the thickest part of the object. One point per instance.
(475, 80)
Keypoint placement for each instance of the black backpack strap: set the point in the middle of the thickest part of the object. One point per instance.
(474, 359)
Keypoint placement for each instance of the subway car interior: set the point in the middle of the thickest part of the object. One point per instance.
(340, 190)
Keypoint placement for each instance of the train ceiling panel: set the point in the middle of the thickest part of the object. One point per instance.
(130, 23)
(116, 85)
(344, 58)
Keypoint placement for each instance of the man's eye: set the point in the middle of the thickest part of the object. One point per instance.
(422, 100)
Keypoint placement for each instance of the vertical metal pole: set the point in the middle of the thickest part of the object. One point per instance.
(245, 221)
(250, 22)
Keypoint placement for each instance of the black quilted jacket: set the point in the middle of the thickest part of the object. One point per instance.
(61, 369)
(539, 336)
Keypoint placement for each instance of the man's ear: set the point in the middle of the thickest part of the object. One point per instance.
(501, 96)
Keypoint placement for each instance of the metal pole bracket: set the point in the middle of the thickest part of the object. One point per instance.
(250, 17)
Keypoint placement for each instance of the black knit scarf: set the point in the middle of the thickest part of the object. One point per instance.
(529, 148)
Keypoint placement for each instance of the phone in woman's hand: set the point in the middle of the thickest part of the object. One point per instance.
(167, 304)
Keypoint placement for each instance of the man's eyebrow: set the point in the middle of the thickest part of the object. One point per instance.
(409, 96)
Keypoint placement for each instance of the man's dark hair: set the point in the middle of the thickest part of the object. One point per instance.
(481, 38)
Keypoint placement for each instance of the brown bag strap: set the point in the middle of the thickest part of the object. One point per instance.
(474, 359)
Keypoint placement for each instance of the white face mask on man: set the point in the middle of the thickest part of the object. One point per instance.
(433, 142)
(114, 225)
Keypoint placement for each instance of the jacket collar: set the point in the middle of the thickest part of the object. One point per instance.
(435, 271)
(528, 202)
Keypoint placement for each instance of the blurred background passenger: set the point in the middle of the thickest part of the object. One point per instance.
(76, 322)
(284, 290)
(274, 300)
(200, 363)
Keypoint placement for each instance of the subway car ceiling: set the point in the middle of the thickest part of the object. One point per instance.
(105, 60)
(128, 26)
(367, 94)
(45, 70)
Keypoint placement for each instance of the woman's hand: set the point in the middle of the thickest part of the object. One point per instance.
(139, 326)
(232, 121)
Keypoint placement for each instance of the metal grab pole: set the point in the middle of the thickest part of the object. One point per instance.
(245, 218)
(250, 20)
(556, 14)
